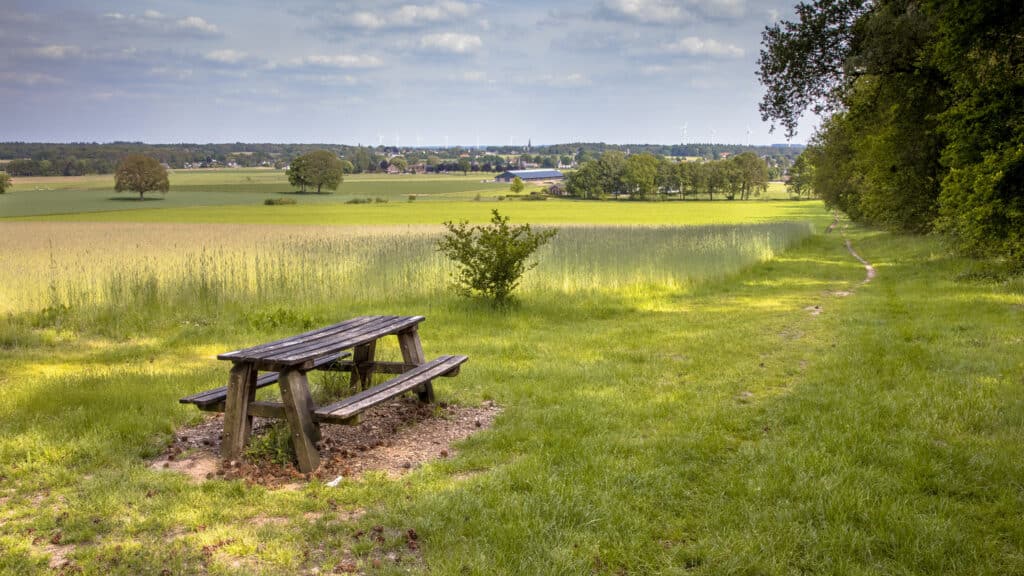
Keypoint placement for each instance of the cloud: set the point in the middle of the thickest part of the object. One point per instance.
(225, 56)
(732, 9)
(654, 70)
(159, 22)
(29, 79)
(58, 51)
(412, 15)
(694, 46)
(558, 81)
(645, 11)
(451, 42)
(195, 23)
(332, 61)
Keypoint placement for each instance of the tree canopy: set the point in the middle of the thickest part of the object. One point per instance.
(925, 104)
(5, 182)
(318, 169)
(140, 173)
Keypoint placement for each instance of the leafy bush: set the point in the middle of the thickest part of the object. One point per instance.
(491, 258)
(279, 201)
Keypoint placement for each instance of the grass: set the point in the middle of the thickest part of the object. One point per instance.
(216, 195)
(248, 187)
(707, 427)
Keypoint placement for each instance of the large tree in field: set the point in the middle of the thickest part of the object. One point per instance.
(140, 173)
(318, 169)
(5, 182)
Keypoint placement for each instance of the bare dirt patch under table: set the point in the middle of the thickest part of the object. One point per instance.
(394, 438)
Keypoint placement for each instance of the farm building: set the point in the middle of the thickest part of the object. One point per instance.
(544, 175)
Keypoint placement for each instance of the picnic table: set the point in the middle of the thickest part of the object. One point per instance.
(348, 346)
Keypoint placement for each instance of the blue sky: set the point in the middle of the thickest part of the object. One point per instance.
(415, 72)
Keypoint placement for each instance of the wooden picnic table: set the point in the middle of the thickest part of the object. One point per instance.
(347, 346)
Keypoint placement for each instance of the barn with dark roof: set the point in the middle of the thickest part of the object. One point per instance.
(544, 175)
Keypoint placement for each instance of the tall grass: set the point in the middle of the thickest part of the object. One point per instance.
(154, 270)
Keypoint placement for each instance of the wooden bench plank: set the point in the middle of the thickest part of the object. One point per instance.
(209, 398)
(353, 405)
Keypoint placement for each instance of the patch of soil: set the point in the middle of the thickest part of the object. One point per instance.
(395, 438)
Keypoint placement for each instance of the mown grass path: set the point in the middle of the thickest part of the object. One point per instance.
(723, 430)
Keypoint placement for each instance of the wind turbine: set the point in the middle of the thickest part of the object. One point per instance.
(446, 141)
(684, 126)
(380, 139)
(748, 134)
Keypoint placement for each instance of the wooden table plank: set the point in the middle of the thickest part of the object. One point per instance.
(258, 351)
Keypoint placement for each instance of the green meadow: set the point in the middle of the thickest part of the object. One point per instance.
(58, 195)
(686, 388)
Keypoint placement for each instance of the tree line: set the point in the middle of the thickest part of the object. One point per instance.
(76, 159)
(646, 177)
(924, 107)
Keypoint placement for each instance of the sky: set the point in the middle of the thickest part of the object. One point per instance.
(407, 72)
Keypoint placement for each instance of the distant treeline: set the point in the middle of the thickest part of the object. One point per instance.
(76, 159)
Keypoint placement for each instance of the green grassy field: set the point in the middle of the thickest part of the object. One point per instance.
(676, 400)
(202, 189)
(57, 195)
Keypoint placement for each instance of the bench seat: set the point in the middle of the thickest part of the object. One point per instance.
(344, 410)
(211, 398)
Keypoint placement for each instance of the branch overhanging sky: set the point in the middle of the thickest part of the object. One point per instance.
(414, 72)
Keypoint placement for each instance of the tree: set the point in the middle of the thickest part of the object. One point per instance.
(140, 173)
(400, 163)
(5, 182)
(753, 172)
(640, 176)
(491, 259)
(319, 168)
(801, 175)
(464, 165)
(517, 185)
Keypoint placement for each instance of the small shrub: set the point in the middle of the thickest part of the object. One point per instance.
(412, 197)
(359, 201)
(379, 200)
(491, 258)
(273, 445)
(279, 201)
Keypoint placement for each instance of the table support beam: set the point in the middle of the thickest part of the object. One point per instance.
(237, 420)
(298, 408)
(412, 353)
(362, 366)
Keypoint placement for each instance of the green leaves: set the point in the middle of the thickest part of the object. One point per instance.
(491, 258)
(140, 173)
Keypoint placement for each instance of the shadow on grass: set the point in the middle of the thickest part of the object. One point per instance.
(134, 199)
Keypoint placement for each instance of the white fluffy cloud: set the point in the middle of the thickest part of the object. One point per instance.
(225, 56)
(58, 51)
(153, 20)
(451, 42)
(197, 24)
(410, 15)
(647, 11)
(336, 61)
(694, 46)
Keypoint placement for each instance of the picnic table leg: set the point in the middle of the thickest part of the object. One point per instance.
(298, 409)
(237, 420)
(412, 353)
(362, 365)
